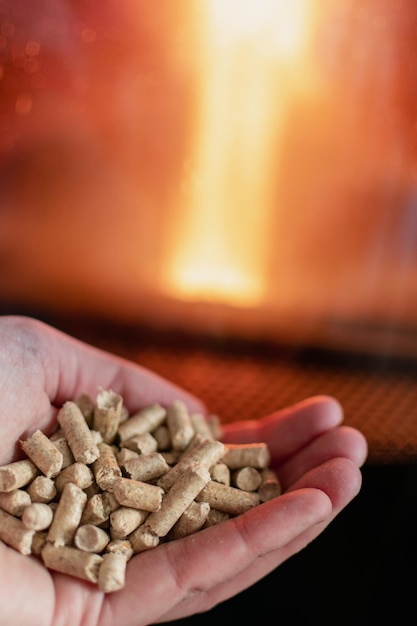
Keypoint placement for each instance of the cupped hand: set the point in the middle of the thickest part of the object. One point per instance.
(317, 459)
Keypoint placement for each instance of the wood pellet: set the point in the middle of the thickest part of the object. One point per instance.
(108, 485)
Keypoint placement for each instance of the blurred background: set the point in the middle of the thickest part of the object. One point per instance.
(225, 192)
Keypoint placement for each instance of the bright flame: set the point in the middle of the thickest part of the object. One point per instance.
(250, 63)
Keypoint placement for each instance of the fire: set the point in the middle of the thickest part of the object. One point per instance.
(251, 58)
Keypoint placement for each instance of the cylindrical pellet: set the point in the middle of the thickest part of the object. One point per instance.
(221, 473)
(112, 572)
(142, 444)
(98, 508)
(137, 494)
(91, 538)
(120, 546)
(67, 456)
(86, 404)
(15, 534)
(270, 486)
(46, 456)
(17, 474)
(146, 467)
(77, 433)
(37, 516)
(177, 499)
(143, 538)
(207, 453)
(42, 489)
(67, 515)
(124, 455)
(14, 502)
(162, 436)
(215, 517)
(78, 473)
(248, 454)
(106, 468)
(107, 413)
(179, 425)
(125, 520)
(191, 520)
(201, 425)
(145, 421)
(228, 499)
(71, 561)
(246, 478)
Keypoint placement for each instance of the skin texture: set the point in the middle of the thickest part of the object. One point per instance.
(317, 459)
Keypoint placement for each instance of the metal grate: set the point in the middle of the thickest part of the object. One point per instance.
(246, 382)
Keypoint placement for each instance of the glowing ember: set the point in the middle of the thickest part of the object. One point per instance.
(251, 62)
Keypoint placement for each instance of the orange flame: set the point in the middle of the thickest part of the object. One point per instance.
(251, 60)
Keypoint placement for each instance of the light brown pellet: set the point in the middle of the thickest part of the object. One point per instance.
(112, 572)
(215, 517)
(78, 473)
(40, 449)
(145, 421)
(142, 539)
(17, 474)
(201, 425)
(207, 454)
(196, 440)
(124, 454)
(270, 486)
(120, 546)
(179, 425)
(146, 467)
(137, 494)
(192, 520)
(221, 473)
(106, 468)
(228, 499)
(67, 456)
(142, 444)
(86, 405)
(163, 438)
(246, 478)
(15, 534)
(42, 489)
(107, 413)
(98, 508)
(77, 433)
(125, 520)
(214, 422)
(14, 502)
(67, 515)
(177, 499)
(249, 454)
(72, 561)
(37, 516)
(91, 538)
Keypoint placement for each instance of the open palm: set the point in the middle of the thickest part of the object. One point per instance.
(317, 459)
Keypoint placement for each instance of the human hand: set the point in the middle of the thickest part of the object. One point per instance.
(317, 460)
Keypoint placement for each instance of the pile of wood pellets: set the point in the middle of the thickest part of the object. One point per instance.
(109, 484)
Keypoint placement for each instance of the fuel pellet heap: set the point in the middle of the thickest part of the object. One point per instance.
(108, 485)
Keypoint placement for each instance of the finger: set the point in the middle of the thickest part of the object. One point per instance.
(185, 571)
(289, 429)
(343, 441)
(340, 479)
